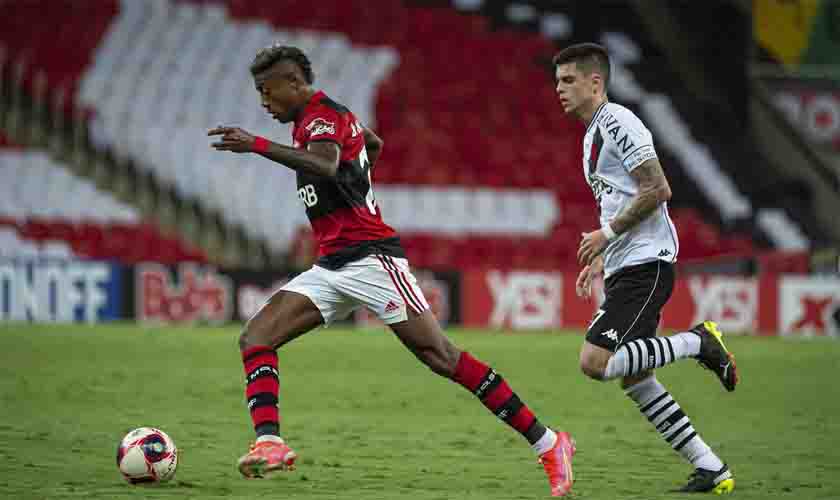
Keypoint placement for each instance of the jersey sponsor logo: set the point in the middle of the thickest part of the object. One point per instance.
(320, 126)
(599, 187)
(621, 138)
(308, 195)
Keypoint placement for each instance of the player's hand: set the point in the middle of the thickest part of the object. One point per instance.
(233, 139)
(591, 246)
(583, 285)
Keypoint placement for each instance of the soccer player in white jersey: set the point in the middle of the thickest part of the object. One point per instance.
(635, 248)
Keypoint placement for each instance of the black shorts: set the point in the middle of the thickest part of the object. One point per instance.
(635, 296)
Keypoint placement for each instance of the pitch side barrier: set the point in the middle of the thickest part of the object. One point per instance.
(51, 290)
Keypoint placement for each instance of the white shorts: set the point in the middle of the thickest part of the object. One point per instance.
(381, 283)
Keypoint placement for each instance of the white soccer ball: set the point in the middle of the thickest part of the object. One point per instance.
(147, 455)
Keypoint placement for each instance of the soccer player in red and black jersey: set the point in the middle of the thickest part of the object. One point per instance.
(360, 264)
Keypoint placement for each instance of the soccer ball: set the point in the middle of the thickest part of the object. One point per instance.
(147, 455)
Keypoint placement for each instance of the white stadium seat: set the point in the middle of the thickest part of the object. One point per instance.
(183, 68)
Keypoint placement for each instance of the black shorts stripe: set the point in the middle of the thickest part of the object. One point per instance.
(405, 291)
(650, 405)
(410, 289)
(679, 431)
(683, 442)
(397, 284)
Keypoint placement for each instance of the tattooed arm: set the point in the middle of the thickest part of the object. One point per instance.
(653, 190)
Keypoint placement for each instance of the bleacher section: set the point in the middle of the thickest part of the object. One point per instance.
(479, 167)
(46, 211)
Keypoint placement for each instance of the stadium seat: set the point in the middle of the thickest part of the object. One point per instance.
(48, 212)
(429, 80)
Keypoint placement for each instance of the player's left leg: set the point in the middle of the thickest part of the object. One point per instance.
(387, 287)
(422, 335)
(671, 422)
(621, 340)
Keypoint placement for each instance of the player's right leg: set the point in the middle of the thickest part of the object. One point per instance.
(422, 335)
(303, 304)
(674, 426)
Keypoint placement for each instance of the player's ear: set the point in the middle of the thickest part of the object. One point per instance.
(597, 82)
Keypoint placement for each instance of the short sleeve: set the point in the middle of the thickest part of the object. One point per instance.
(632, 140)
(323, 125)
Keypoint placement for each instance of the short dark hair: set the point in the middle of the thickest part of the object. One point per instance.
(588, 56)
(269, 56)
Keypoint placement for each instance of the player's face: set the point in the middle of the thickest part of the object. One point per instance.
(280, 91)
(574, 89)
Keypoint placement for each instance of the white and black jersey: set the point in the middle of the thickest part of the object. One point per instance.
(615, 143)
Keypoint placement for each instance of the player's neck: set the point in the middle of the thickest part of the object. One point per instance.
(305, 98)
(587, 111)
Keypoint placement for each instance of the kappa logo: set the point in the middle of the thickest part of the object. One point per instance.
(611, 334)
(320, 126)
(391, 307)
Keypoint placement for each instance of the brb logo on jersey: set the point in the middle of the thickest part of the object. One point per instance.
(320, 126)
(308, 195)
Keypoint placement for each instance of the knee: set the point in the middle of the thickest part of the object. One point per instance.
(592, 368)
(251, 336)
(245, 339)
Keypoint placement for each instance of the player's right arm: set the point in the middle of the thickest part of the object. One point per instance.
(321, 158)
(373, 145)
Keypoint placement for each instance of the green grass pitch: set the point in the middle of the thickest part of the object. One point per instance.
(369, 422)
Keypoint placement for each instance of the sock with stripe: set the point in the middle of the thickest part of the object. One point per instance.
(262, 387)
(496, 395)
(657, 405)
(646, 354)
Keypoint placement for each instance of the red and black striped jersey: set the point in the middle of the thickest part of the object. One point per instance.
(345, 218)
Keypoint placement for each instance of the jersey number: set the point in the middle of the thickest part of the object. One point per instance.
(370, 199)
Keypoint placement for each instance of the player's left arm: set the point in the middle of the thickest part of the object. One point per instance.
(373, 145)
(653, 190)
(320, 158)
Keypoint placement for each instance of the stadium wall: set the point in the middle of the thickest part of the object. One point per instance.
(57, 290)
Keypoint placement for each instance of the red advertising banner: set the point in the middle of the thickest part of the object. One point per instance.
(809, 306)
(766, 305)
